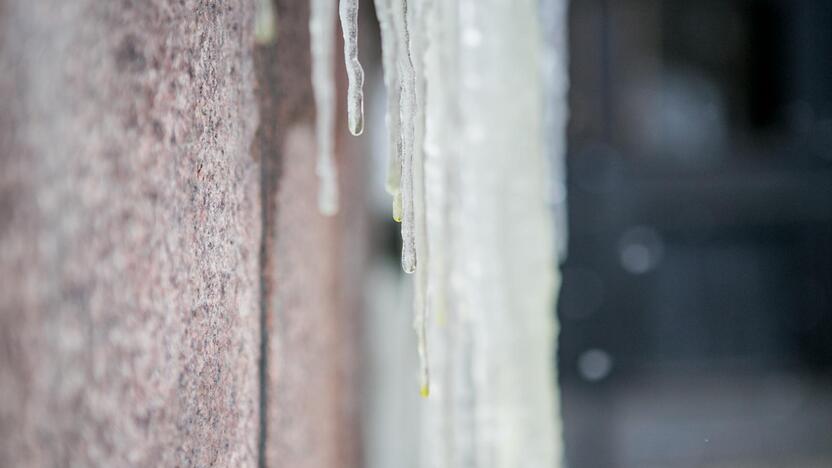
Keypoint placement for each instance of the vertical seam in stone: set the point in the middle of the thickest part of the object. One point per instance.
(264, 150)
(264, 310)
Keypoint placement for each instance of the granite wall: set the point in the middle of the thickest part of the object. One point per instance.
(169, 295)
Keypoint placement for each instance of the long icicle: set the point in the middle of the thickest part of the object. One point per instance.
(407, 102)
(322, 35)
(389, 51)
(348, 11)
(419, 43)
(408, 23)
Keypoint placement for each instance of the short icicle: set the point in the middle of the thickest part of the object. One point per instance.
(348, 11)
(389, 50)
(322, 35)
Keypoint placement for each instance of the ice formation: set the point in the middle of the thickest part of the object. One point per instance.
(322, 37)
(348, 10)
(476, 115)
(402, 55)
(490, 235)
(384, 13)
(407, 128)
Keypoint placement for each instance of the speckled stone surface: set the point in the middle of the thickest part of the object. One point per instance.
(130, 228)
(169, 294)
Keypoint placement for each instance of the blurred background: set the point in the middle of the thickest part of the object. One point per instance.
(696, 307)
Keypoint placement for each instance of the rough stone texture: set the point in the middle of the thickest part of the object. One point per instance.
(129, 234)
(169, 294)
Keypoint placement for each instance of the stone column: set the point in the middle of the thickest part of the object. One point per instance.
(169, 295)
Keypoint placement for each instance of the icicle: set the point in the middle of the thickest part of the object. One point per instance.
(348, 10)
(322, 35)
(419, 323)
(467, 127)
(419, 43)
(407, 103)
(494, 402)
(389, 50)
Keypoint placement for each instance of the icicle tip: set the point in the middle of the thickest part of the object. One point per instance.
(327, 207)
(408, 262)
(397, 207)
(356, 121)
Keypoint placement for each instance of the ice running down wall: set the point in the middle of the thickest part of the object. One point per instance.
(476, 114)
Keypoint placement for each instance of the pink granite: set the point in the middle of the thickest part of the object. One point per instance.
(129, 234)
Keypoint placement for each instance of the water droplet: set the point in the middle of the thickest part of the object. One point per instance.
(595, 364)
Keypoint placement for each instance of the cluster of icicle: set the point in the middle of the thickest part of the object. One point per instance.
(473, 89)
(402, 55)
